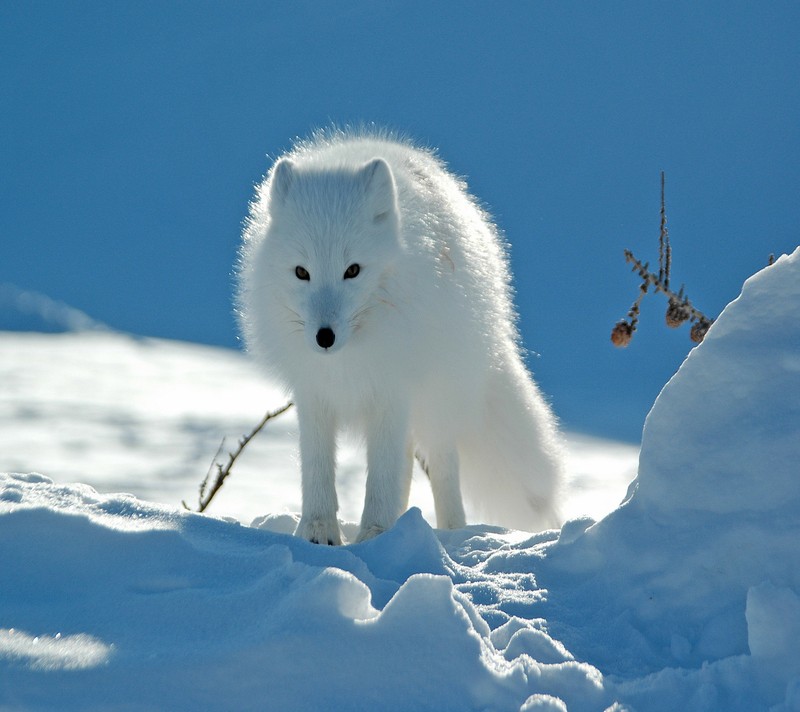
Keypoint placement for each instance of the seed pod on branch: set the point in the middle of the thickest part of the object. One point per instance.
(621, 334)
(699, 330)
(677, 313)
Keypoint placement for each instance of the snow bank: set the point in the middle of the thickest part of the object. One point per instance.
(110, 603)
(687, 572)
(687, 597)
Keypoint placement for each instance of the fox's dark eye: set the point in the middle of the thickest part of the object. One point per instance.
(352, 271)
(302, 273)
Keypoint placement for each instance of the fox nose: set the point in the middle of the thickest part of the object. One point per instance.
(325, 337)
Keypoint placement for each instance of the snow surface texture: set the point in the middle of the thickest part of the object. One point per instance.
(687, 597)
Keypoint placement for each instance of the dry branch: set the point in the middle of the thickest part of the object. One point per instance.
(222, 471)
(679, 309)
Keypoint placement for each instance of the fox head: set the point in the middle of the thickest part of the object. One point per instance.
(332, 237)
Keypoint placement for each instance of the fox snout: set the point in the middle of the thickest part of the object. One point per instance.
(326, 322)
(325, 337)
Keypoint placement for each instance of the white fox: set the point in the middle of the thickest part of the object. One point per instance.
(374, 287)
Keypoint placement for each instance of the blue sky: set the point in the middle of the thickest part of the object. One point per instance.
(132, 134)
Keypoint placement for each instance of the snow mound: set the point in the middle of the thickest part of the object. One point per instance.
(723, 436)
(686, 597)
(111, 603)
(687, 571)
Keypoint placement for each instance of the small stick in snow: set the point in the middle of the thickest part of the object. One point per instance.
(222, 471)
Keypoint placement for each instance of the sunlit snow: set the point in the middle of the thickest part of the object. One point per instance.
(687, 597)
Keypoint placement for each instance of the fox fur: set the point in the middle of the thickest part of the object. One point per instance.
(375, 288)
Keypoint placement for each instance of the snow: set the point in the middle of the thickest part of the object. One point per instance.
(686, 597)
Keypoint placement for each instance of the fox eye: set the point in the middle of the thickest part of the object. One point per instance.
(352, 271)
(302, 273)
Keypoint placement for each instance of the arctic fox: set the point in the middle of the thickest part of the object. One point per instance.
(373, 286)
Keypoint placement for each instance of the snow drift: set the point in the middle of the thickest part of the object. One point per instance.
(685, 597)
(700, 568)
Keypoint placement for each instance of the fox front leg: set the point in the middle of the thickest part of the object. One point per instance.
(389, 462)
(442, 468)
(318, 522)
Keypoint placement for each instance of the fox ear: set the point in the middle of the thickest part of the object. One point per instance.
(379, 188)
(281, 181)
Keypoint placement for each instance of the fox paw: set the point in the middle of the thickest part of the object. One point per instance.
(319, 531)
(369, 532)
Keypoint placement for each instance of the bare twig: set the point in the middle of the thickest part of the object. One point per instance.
(664, 248)
(660, 286)
(679, 310)
(222, 471)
